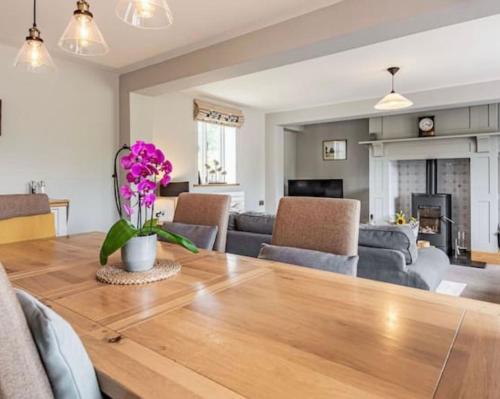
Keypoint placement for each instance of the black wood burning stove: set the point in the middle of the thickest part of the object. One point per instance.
(433, 211)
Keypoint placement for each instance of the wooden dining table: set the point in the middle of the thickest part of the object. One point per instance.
(228, 326)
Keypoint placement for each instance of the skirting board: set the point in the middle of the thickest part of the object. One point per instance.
(487, 257)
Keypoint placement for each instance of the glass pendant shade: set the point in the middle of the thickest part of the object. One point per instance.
(82, 36)
(33, 56)
(145, 14)
(393, 101)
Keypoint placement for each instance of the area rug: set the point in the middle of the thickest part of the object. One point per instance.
(451, 288)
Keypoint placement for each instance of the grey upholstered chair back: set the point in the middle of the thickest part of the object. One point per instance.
(321, 224)
(22, 375)
(206, 210)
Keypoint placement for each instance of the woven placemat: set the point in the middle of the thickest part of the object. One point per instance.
(115, 274)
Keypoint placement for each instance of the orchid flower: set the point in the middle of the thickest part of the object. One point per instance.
(146, 169)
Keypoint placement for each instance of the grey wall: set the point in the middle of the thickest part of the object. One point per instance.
(290, 158)
(354, 171)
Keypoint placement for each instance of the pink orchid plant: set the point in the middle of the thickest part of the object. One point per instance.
(146, 169)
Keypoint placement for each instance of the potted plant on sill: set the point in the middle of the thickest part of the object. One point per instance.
(146, 169)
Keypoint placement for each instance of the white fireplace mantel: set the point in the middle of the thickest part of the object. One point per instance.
(481, 148)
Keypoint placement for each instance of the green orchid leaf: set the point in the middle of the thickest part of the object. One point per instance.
(119, 234)
(151, 222)
(175, 239)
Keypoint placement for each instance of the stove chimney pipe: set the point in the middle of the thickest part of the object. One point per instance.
(431, 176)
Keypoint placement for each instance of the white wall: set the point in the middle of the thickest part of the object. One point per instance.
(175, 132)
(60, 127)
(141, 117)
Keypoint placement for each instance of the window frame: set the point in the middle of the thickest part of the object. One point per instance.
(202, 129)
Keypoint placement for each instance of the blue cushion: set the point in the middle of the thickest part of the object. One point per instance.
(202, 236)
(313, 259)
(66, 362)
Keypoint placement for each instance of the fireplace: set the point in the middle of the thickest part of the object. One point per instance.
(433, 211)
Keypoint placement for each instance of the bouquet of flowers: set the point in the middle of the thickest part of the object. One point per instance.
(402, 219)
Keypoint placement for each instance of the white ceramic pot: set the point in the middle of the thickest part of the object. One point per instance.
(139, 254)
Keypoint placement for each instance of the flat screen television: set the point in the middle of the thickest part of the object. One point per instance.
(330, 188)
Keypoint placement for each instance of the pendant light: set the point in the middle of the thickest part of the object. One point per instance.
(33, 55)
(145, 14)
(82, 36)
(393, 100)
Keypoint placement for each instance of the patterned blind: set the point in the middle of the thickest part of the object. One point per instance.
(219, 114)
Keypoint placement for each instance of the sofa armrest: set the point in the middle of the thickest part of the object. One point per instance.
(380, 263)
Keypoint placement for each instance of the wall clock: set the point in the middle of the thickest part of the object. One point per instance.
(426, 126)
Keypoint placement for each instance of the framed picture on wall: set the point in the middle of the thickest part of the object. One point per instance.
(334, 150)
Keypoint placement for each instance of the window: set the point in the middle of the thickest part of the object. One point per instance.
(216, 153)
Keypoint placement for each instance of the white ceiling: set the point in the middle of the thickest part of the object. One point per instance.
(451, 56)
(197, 23)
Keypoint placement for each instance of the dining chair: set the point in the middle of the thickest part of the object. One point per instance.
(204, 210)
(41, 356)
(22, 374)
(322, 224)
(320, 233)
(25, 217)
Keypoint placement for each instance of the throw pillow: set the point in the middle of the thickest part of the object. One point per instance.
(66, 362)
(400, 238)
(202, 236)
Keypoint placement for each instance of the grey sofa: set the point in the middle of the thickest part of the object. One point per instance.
(386, 253)
(247, 232)
(390, 254)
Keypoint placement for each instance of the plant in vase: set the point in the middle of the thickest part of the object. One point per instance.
(146, 169)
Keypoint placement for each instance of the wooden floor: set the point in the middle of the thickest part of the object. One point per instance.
(482, 284)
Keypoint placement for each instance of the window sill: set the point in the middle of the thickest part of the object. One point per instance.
(217, 185)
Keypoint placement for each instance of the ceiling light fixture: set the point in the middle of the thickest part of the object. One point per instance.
(393, 100)
(33, 55)
(82, 36)
(145, 14)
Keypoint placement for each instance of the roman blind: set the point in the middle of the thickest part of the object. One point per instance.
(213, 113)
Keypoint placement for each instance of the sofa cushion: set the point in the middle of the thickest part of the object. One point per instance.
(255, 222)
(66, 362)
(202, 236)
(231, 223)
(400, 238)
(22, 375)
(308, 258)
(245, 243)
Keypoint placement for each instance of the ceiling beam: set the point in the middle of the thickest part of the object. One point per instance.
(340, 27)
